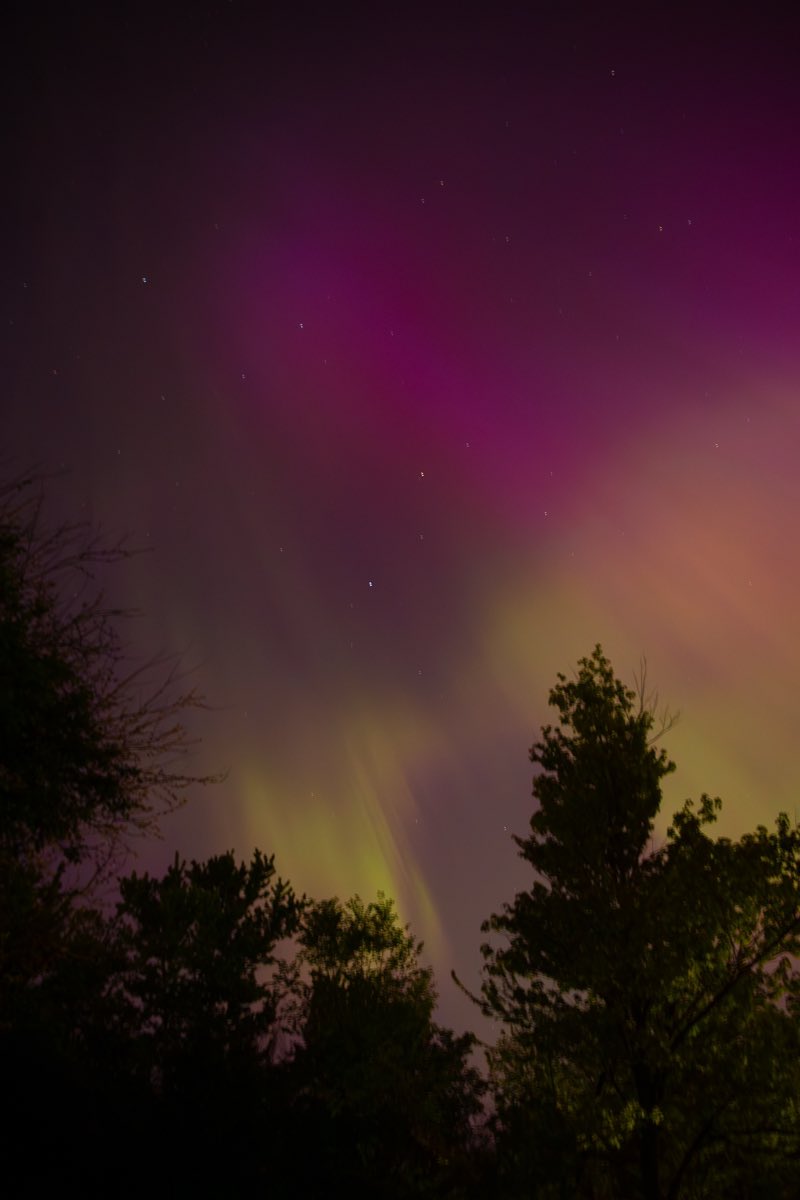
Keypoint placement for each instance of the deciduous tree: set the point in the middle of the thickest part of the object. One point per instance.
(201, 960)
(91, 754)
(90, 746)
(198, 983)
(389, 1094)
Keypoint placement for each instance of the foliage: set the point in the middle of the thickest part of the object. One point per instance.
(649, 991)
(200, 964)
(88, 745)
(195, 991)
(390, 1093)
(159, 1020)
(642, 987)
(88, 751)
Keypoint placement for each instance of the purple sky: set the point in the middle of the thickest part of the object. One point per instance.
(426, 355)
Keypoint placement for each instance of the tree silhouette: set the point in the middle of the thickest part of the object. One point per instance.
(90, 751)
(197, 986)
(648, 1050)
(387, 1095)
(88, 744)
(200, 964)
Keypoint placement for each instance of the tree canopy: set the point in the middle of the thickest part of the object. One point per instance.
(88, 742)
(218, 1029)
(643, 987)
(391, 1093)
(197, 948)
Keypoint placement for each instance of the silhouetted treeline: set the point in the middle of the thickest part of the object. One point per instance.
(167, 1042)
(210, 1032)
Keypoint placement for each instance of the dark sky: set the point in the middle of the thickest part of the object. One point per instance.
(426, 354)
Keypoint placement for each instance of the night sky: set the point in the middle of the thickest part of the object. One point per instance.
(425, 354)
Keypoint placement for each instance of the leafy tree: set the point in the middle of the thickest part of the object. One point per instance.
(200, 965)
(89, 756)
(158, 1025)
(389, 1094)
(648, 1050)
(194, 998)
(87, 745)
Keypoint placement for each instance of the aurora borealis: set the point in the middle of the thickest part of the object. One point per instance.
(426, 354)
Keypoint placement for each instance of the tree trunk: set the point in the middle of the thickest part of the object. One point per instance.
(648, 1161)
(649, 1088)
